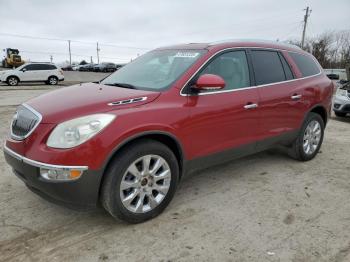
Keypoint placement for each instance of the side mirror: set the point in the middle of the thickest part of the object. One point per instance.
(23, 70)
(209, 82)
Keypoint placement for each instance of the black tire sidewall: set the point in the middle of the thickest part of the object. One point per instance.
(311, 116)
(111, 188)
(52, 77)
(8, 80)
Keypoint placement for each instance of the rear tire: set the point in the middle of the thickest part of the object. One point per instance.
(340, 114)
(53, 80)
(140, 181)
(309, 140)
(12, 81)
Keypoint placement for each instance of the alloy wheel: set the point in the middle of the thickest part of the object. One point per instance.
(312, 137)
(145, 183)
(53, 81)
(13, 81)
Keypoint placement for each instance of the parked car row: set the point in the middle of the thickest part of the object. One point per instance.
(102, 67)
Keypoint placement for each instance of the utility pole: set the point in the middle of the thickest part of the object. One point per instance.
(98, 55)
(51, 58)
(70, 54)
(306, 16)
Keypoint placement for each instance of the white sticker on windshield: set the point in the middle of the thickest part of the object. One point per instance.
(186, 54)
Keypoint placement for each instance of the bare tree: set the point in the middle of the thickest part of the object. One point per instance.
(331, 49)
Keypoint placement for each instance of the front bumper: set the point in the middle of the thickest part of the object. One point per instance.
(78, 194)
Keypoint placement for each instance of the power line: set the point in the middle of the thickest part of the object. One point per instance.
(294, 29)
(75, 41)
(73, 54)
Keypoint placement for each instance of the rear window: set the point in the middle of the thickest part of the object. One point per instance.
(305, 63)
(268, 67)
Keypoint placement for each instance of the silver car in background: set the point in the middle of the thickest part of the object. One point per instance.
(341, 102)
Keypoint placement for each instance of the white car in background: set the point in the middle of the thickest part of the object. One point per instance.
(341, 102)
(33, 72)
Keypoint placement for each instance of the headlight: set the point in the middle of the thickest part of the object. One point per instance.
(342, 92)
(77, 131)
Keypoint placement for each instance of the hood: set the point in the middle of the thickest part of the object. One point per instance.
(2, 72)
(79, 100)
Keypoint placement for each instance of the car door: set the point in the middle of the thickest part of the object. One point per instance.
(43, 72)
(281, 100)
(226, 120)
(27, 73)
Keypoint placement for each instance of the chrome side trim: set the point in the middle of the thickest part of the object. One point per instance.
(19, 138)
(128, 101)
(250, 87)
(40, 164)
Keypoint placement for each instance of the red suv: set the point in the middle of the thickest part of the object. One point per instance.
(127, 141)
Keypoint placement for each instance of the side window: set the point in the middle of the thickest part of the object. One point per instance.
(305, 63)
(41, 67)
(30, 67)
(232, 67)
(44, 67)
(288, 72)
(267, 67)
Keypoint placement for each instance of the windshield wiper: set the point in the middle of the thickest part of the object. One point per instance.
(123, 85)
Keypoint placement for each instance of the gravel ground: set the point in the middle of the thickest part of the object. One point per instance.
(266, 207)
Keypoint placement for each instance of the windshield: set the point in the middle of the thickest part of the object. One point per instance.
(155, 70)
(20, 67)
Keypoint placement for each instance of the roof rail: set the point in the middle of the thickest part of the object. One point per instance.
(255, 41)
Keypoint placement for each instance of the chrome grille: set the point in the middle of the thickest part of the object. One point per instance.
(25, 120)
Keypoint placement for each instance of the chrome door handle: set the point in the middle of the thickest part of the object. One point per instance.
(250, 106)
(296, 97)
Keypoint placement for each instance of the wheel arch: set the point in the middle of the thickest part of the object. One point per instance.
(165, 138)
(321, 110)
(7, 78)
(52, 76)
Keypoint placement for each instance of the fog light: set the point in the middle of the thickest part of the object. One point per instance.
(60, 174)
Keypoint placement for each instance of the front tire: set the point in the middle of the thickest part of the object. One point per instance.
(140, 181)
(310, 138)
(12, 81)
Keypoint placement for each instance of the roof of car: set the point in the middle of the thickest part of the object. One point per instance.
(41, 63)
(236, 43)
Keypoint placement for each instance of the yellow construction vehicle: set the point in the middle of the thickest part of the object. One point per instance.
(12, 58)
